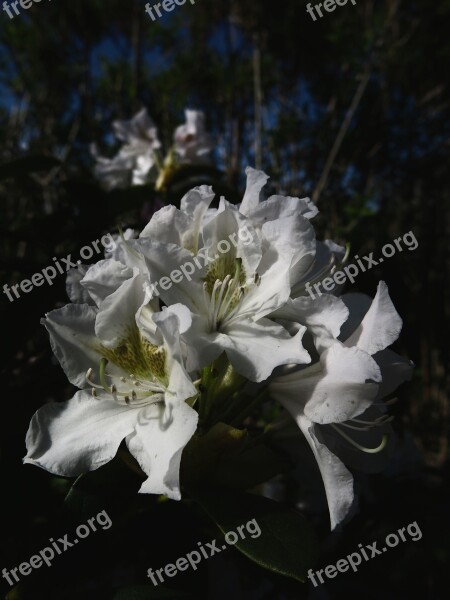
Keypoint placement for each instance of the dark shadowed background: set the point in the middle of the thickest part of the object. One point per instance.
(351, 110)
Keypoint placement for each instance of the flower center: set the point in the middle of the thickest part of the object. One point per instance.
(138, 371)
(223, 289)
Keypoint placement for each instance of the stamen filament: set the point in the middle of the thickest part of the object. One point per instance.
(102, 373)
(220, 298)
(362, 448)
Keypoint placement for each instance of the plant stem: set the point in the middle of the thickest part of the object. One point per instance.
(258, 399)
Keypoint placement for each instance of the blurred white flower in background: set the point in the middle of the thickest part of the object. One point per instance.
(136, 159)
(193, 144)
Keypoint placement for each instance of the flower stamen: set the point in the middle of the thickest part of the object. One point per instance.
(358, 446)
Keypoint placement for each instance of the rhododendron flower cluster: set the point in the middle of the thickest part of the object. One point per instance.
(143, 362)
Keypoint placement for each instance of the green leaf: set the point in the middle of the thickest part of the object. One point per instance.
(29, 164)
(287, 544)
(145, 592)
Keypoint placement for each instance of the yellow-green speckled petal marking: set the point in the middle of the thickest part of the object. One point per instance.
(136, 355)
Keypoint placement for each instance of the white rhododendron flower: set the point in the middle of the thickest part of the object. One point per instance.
(136, 159)
(112, 173)
(349, 378)
(208, 293)
(192, 143)
(231, 295)
(127, 361)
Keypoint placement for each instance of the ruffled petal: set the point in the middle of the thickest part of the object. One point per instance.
(158, 443)
(169, 225)
(196, 204)
(282, 207)
(104, 278)
(76, 292)
(294, 239)
(328, 256)
(232, 227)
(256, 180)
(323, 317)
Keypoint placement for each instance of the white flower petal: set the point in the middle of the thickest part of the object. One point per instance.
(196, 204)
(128, 253)
(180, 386)
(327, 256)
(294, 239)
(76, 292)
(256, 180)
(158, 443)
(168, 225)
(192, 142)
(115, 173)
(164, 259)
(110, 250)
(279, 207)
(255, 349)
(344, 392)
(77, 436)
(272, 291)
(184, 316)
(227, 226)
(337, 479)
(140, 127)
(73, 340)
(380, 327)
(336, 390)
(144, 164)
(104, 278)
(117, 313)
(181, 227)
(323, 317)
(203, 345)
